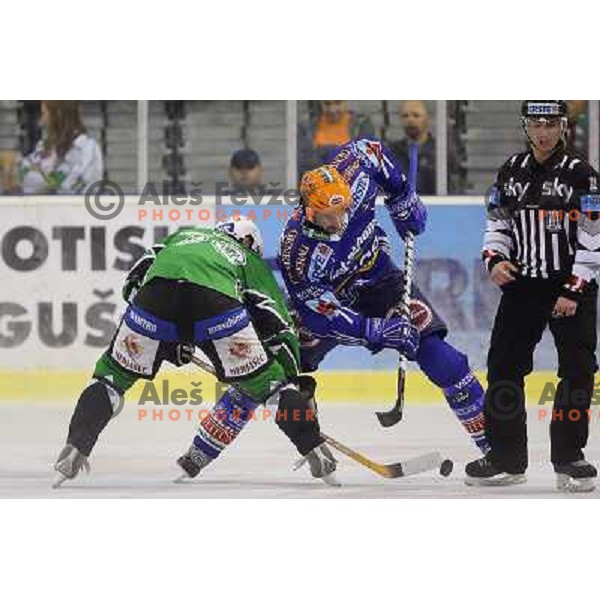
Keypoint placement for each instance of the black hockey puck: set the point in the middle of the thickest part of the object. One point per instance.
(446, 467)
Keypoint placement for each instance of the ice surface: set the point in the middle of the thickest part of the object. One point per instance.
(136, 458)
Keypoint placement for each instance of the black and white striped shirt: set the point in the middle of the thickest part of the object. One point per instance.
(545, 219)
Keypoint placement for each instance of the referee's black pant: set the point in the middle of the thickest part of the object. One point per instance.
(523, 313)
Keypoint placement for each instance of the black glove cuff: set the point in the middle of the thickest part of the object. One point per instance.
(574, 288)
(491, 258)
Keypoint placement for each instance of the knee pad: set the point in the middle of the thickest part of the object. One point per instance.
(297, 420)
(224, 422)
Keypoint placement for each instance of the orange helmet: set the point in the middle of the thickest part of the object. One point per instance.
(325, 188)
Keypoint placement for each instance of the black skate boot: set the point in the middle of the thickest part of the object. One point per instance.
(68, 464)
(322, 464)
(192, 462)
(485, 472)
(577, 476)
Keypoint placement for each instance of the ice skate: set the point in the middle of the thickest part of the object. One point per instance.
(578, 476)
(322, 464)
(192, 462)
(70, 461)
(483, 472)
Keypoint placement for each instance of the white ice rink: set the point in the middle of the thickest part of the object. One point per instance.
(135, 458)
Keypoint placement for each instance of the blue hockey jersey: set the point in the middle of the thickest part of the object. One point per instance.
(324, 272)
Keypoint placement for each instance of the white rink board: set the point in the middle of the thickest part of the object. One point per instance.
(62, 271)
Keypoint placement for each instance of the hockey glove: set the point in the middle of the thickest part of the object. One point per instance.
(305, 336)
(135, 277)
(179, 353)
(397, 333)
(408, 214)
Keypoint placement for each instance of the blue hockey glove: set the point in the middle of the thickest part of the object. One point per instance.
(408, 214)
(397, 333)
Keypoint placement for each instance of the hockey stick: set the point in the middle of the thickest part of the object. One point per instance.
(405, 468)
(394, 415)
(412, 466)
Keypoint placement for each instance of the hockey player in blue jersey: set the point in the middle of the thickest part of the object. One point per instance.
(336, 265)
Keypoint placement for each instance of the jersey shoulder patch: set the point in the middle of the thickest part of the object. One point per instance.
(590, 203)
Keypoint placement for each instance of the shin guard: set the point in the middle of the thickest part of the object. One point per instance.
(95, 408)
(223, 423)
(465, 398)
(297, 418)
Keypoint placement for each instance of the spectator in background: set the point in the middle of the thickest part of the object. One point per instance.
(9, 161)
(333, 125)
(416, 123)
(246, 170)
(65, 161)
(577, 139)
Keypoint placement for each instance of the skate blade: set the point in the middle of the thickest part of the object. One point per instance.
(331, 480)
(183, 478)
(503, 479)
(299, 463)
(564, 483)
(59, 481)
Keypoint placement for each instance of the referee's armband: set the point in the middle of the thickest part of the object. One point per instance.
(491, 258)
(574, 287)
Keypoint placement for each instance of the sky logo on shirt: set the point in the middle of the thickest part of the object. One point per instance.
(515, 189)
(555, 188)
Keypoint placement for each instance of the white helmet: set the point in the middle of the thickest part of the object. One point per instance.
(242, 228)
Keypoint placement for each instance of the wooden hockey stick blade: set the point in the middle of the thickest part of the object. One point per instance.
(395, 414)
(412, 466)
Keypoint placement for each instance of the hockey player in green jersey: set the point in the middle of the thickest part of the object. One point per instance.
(211, 289)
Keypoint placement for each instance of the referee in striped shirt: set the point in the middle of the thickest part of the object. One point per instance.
(542, 248)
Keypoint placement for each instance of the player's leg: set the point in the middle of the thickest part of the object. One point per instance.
(239, 357)
(294, 415)
(518, 327)
(95, 407)
(103, 397)
(442, 363)
(449, 369)
(575, 339)
(217, 430)
(140, 344)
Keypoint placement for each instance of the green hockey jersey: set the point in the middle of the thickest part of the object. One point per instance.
(213, 259)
